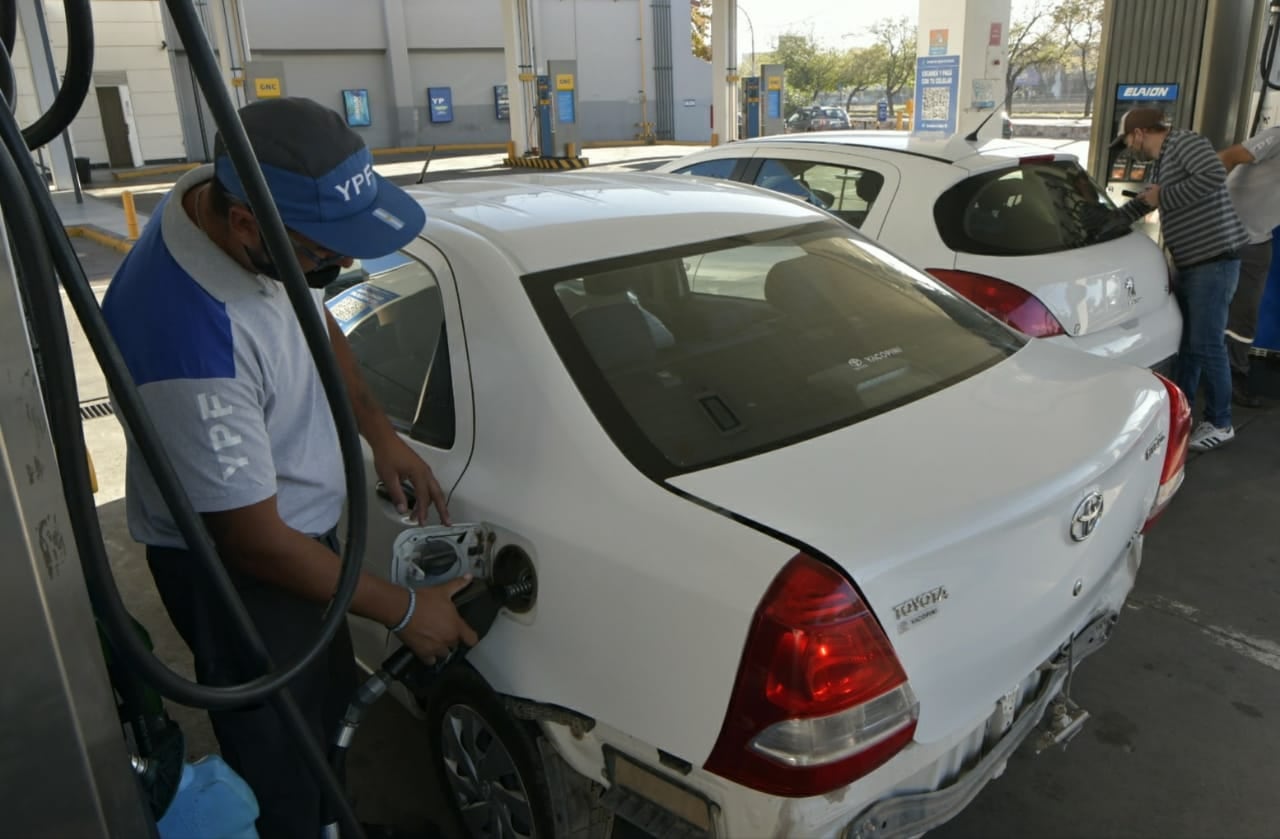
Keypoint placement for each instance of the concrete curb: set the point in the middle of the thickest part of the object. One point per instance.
(546, 162)
(106, 238)
(150, 171)
(443, 147)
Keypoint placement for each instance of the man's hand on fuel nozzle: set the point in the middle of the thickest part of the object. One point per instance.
(1151, 196)
(394, 461)
(436, 627)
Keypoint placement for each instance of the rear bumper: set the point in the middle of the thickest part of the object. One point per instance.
(922, 787)
(911, 815)
(1149, 341)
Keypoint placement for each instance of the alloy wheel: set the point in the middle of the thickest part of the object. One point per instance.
(492, 797)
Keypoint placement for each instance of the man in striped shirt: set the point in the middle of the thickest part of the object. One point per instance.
(1204, 235)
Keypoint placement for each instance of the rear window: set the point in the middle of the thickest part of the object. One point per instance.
(719, 168)
(1029, 208)
(699, 356)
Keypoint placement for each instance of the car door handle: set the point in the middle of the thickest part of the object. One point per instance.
(410, 496)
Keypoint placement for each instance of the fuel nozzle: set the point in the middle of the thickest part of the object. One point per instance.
(511, 584)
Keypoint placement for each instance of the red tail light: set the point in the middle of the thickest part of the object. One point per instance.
(1015, 306)
(820, 699)
(1175, 458)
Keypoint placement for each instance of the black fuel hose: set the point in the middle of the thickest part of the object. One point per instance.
(31, 250)
(8, 24)
(32, 247)
(8, 79)
(76, 77)
(138, 422)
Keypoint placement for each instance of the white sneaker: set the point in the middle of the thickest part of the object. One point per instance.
(1208, 436)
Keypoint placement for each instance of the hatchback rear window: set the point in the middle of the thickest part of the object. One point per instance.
(1029, 208)
(702, 355)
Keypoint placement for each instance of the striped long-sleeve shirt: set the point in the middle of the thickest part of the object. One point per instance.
(1197, 219)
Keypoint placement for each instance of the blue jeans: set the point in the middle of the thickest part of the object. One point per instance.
(1204, 294)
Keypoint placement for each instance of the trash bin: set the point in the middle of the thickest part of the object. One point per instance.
(82, 170)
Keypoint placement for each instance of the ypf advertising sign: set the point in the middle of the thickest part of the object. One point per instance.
(440, 103)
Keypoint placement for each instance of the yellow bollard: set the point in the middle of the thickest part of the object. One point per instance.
(130, 214)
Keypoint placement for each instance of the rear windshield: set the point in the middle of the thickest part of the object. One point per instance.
(698, 356)
(1028, 208)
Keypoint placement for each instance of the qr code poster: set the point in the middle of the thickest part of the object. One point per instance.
(937, 104)
(937, 89)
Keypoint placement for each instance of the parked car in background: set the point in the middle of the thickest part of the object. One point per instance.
(1018, 229)
(818, 118)
(608, 373)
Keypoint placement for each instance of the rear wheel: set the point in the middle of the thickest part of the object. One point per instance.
(487, 761)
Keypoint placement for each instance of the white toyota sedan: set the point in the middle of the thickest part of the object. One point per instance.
(805, 543)
(1013, 227)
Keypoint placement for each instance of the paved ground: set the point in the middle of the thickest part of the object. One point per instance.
(1184, 741)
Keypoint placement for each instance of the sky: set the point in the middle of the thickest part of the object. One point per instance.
(828, 20)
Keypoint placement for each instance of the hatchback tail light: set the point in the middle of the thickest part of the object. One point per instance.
(820, 698)
(1175, 458)
(1015, 306)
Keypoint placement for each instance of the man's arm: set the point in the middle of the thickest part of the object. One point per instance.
(1233, 156)
(1134, 209)
(255, 541)
(392, 459)
(1198, 173)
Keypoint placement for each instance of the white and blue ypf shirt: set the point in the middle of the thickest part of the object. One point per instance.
(225, 373)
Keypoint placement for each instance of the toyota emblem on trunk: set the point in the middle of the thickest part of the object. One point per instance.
(1087, 516)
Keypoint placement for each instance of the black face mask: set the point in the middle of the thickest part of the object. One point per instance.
(316, 278)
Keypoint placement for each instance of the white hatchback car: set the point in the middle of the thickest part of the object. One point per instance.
(1015, 228)
(808, 543)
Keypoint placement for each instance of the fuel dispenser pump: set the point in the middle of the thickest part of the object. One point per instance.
(751, 105)
(773, 99)
(558, 136)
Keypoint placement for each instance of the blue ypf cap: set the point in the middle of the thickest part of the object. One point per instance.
(320, 174)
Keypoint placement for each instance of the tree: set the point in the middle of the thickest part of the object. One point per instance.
(861, 68)
(1032, 45)
(1079, 25)
(700, 24)
(897, 37)
(811, 70)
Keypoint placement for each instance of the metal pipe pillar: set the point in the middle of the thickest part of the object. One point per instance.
(724, 71)
(517, 45)
(960, 66)
(405, 129)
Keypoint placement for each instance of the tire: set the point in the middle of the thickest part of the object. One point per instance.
(487, 762)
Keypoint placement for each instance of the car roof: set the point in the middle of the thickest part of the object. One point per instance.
(544, 221)
(956, 150)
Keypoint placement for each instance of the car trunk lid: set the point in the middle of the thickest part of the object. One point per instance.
(1088, 289)
(954, 514)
